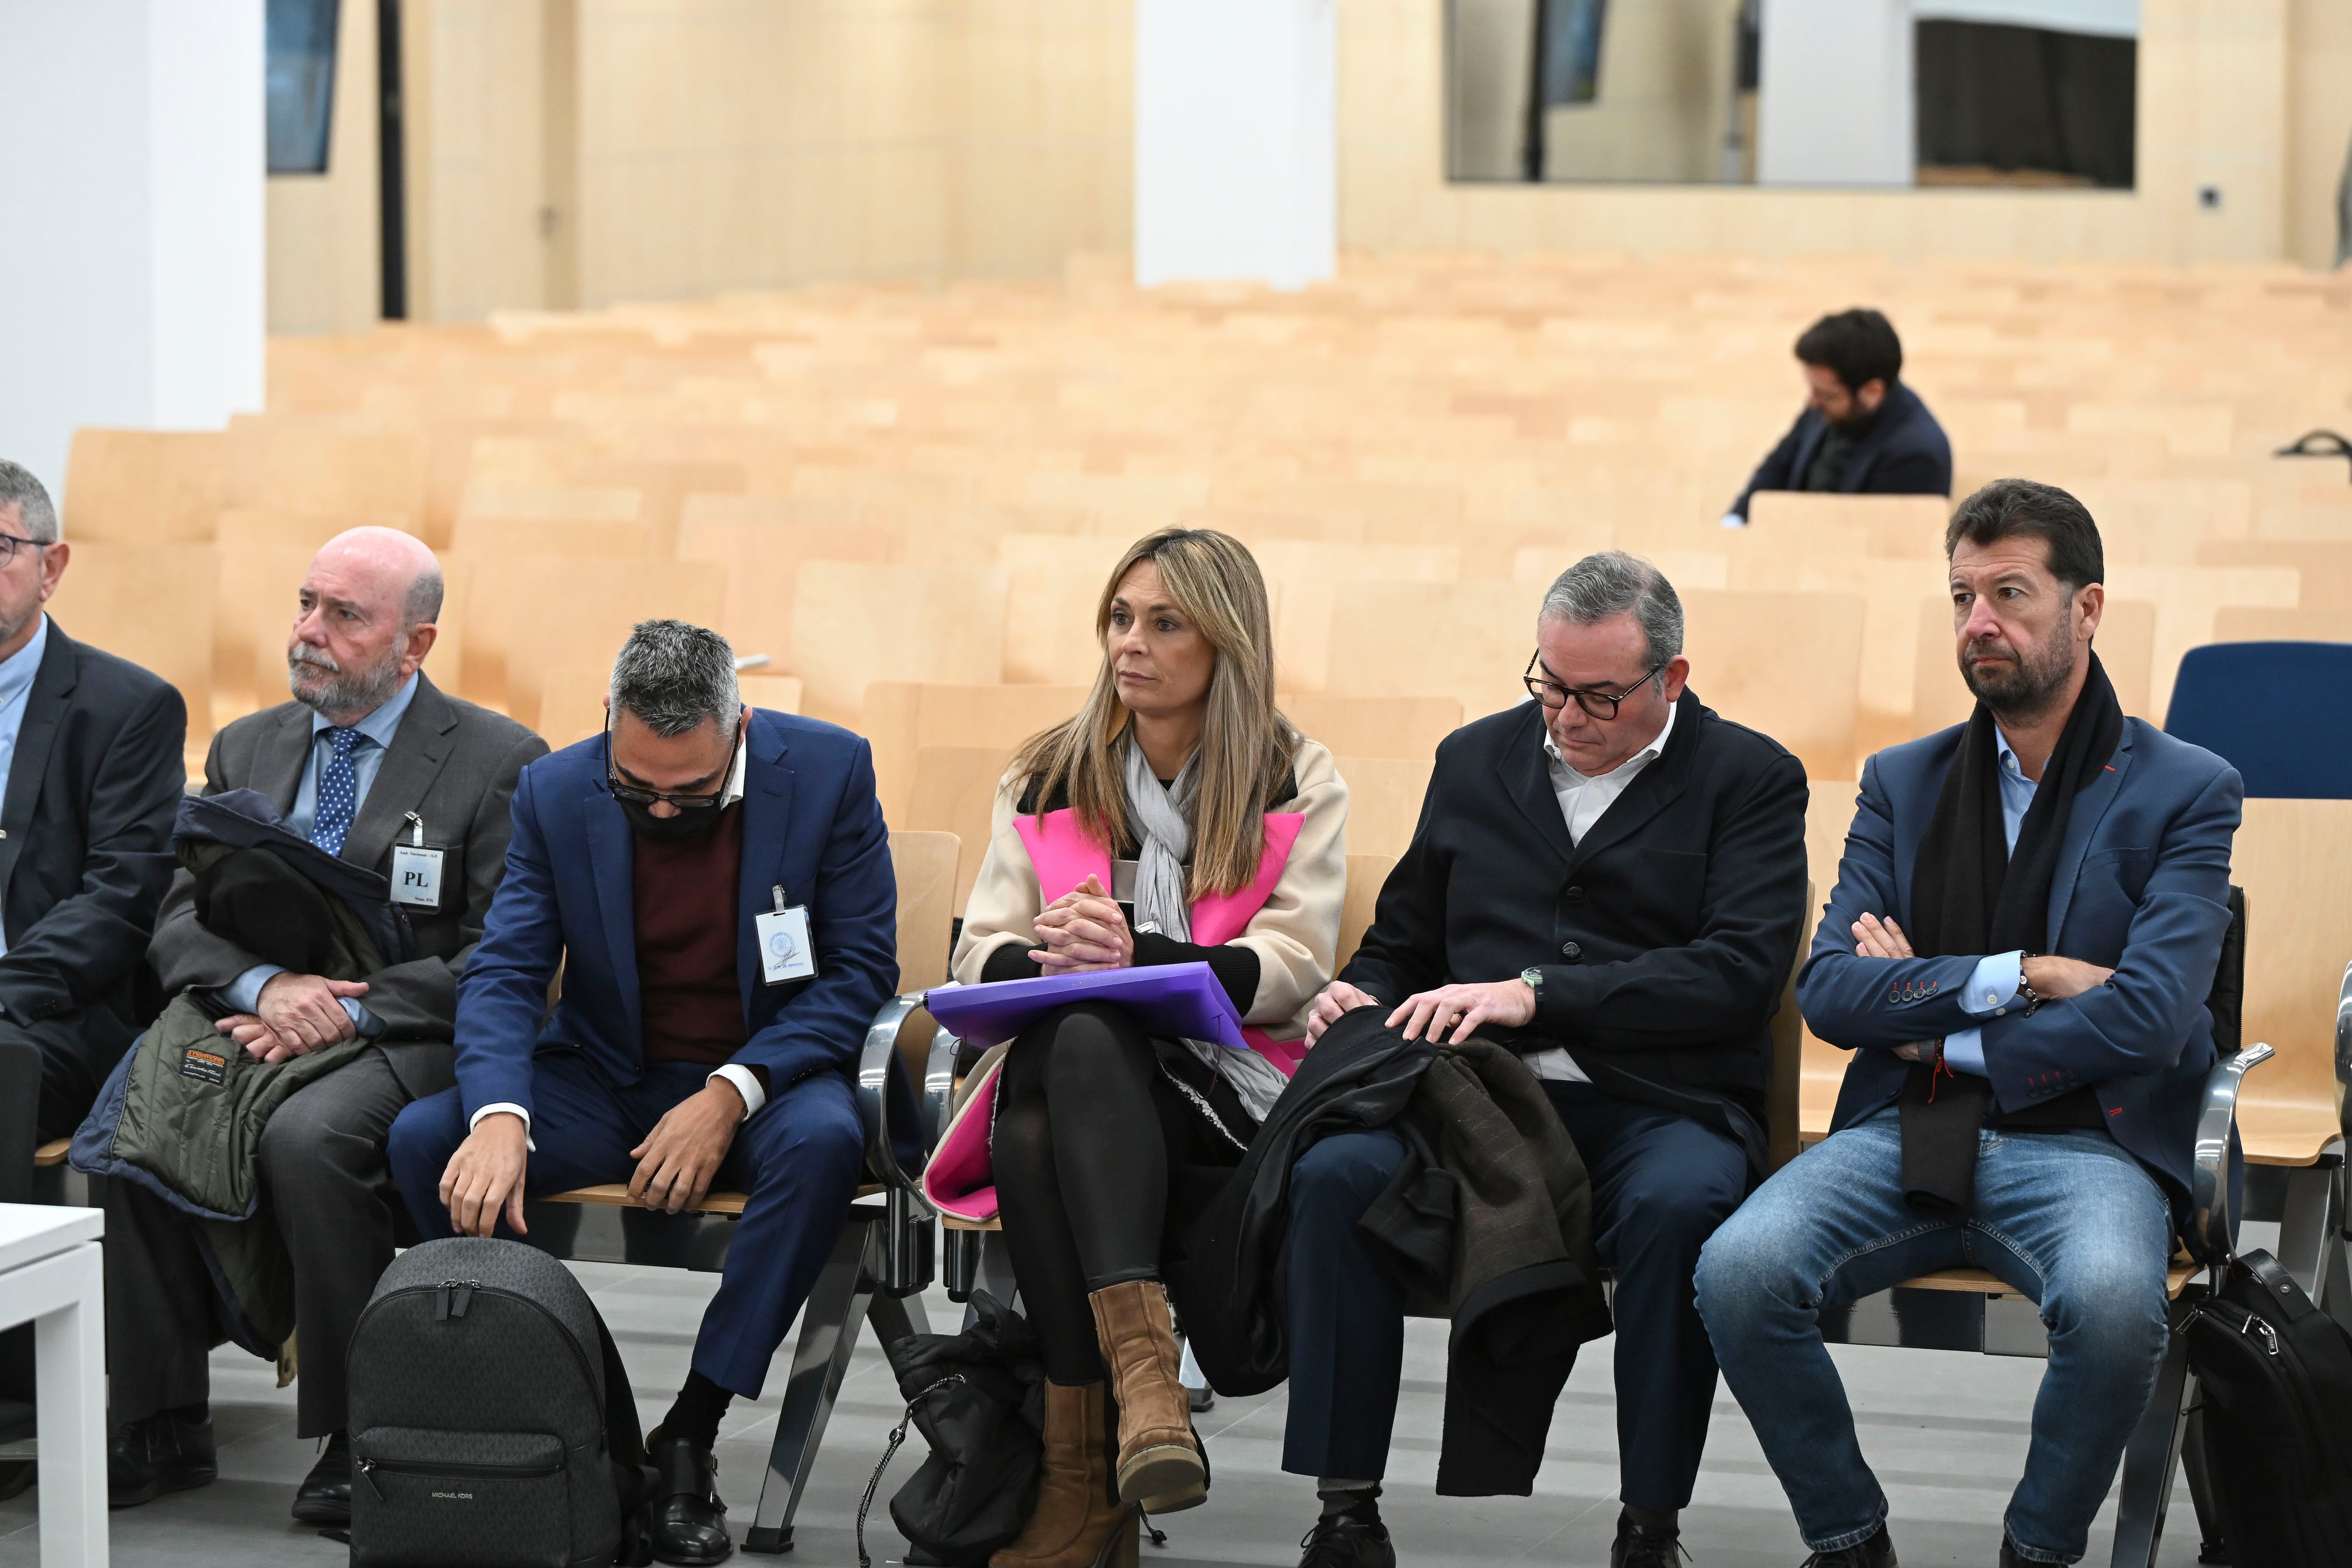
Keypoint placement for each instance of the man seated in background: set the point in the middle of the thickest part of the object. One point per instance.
(1610, 879)
(2025, 931)
(369, 761)
(1863, 432)
(714, 882)
(90, 775)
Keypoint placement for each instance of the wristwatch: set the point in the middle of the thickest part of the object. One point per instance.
(2025, 987)
(1534, 978)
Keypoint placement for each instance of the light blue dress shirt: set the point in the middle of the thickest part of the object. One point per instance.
(1992, 988)
(17, 672)
(243, 995)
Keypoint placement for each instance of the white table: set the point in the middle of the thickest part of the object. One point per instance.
(51, 1276)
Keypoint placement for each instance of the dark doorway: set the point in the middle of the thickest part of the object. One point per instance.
(392, 164)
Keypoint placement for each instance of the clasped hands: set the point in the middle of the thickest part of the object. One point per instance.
(675, 1164)
(2053, 978)
(1083, 930)
(295, 1014)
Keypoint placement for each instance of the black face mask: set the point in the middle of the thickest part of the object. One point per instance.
(686, 826)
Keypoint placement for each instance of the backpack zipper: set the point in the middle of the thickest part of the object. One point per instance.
(368, 1468)
(457, 1293)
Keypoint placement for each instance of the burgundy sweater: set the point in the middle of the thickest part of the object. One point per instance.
(686, 905)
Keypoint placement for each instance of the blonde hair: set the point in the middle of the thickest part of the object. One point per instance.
(1247, 747)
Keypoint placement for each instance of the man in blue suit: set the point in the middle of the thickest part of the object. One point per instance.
(716, 883)
(2025, 931)
(1864, 431)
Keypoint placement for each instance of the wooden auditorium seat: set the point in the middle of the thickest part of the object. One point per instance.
(144, 487)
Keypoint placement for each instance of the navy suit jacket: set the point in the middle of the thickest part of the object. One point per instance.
(2142, 887)
(810, 822)
(1906, 453)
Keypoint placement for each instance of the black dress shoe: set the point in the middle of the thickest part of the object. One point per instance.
(1878, 1551)
(1638, 1548)
(161, 1454)
(1349, 1540)
(689, 1521)
(325, 1495)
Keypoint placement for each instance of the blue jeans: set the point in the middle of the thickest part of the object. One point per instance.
(2067, 1219)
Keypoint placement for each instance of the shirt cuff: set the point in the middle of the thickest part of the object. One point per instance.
(747, 1084)
(1964, 1052)
(507, 1105)
(1991, 990)
(368, 1024)
(243, 995)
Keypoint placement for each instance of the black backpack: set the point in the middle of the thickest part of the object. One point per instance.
(492, 1425)
(2274, 1382)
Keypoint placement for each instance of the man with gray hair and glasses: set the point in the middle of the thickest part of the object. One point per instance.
(715, 883)
(1610, 880)
(90, 775)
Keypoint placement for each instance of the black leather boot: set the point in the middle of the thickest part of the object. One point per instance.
(689, 1521)
(161, 1454)
(325, 1495)
(1878, 1551)
(1636, 1547)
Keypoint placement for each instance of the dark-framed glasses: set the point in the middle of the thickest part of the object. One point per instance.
(9, 542)
(1600, 704)
(630, 795)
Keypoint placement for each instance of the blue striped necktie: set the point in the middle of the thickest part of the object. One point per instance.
(339, 795)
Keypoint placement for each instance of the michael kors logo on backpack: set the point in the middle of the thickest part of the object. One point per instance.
(454, 1496)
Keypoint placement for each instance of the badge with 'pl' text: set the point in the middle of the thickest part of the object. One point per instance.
(415, 870)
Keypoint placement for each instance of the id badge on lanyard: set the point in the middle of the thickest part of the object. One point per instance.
(415, 869)
(787, 953)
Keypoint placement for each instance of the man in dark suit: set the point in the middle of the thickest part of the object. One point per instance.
(90, 763)
(2025, 928)
(373, 762)
(715, 881)
(90, 774)
(1862, 431)
(1611, 880)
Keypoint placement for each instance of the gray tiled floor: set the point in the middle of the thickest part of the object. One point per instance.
(1947, 1434)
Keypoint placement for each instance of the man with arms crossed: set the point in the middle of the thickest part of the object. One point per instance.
(369, 756)
(657, 864)
(1611, 880)
(2024, 931)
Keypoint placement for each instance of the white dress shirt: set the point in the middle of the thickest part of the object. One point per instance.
(17, 672)
(745, 1081)
(1582, 803)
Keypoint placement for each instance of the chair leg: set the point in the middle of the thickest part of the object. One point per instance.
(2312, 1217)
(836, 1311)
(2153, 1453)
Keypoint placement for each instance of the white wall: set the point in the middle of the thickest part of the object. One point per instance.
(1835, 98)
(132, 168)
(1236, 141)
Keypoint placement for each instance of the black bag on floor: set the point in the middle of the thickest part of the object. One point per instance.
(2274, 1379)
(492, 1424)
(978, 1399)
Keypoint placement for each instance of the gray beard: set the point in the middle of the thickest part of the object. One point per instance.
(2031, 697)
(344, 691)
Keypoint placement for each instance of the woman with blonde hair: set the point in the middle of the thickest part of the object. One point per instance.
(1181, 773)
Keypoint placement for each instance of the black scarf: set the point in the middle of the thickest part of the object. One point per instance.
(1971, 894)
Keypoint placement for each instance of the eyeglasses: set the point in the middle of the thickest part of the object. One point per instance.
(630, 795)
(1599, 704)
(8, 543)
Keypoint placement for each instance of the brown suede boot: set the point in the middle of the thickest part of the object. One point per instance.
(1159, 1464)
(1075, 1523)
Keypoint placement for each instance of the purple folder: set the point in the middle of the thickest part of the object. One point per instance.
(1183, 1000)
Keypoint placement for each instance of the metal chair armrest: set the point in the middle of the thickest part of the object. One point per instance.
(939, 1084)
(2344, 1043)
(2210, 1226)
(876, 1064)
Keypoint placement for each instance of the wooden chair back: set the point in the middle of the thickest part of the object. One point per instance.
(1384, 797)
(1783, 1108)
(1407, 727)
(1788, 664)
(145, 487)
(529, 615)
(955, 792)
(153, 605)
(1367, 874)
(902, 716)
(855, 623)
(925, 865)
(2290, 856)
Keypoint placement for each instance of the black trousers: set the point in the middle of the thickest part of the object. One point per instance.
(1661, 1185)
(327, 1189)
(1100, 1161)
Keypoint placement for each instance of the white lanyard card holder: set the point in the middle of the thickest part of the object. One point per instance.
(415, 869)
(787, 953)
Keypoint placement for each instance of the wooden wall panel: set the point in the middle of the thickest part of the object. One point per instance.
(2319, 125)
(324, 247)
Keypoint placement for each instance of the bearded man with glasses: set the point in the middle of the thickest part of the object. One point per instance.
(1611, 881)
(714, 882)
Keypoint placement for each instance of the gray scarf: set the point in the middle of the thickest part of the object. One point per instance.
(1162, 820)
